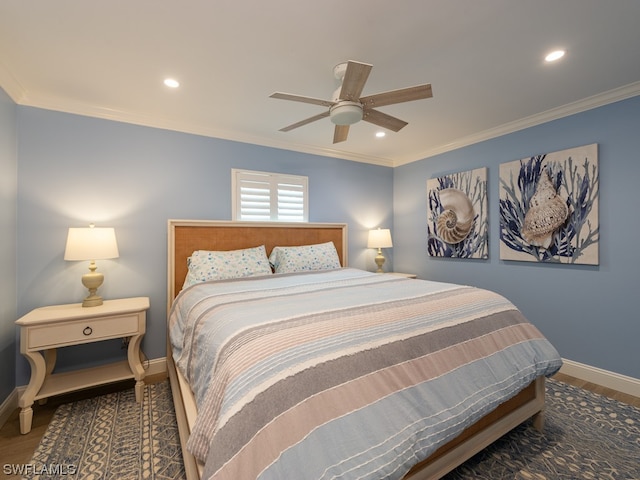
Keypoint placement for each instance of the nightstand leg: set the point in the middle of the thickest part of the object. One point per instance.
(38, 373)
(26, 417)
(139, 391)
(50, 357)
(133, 355)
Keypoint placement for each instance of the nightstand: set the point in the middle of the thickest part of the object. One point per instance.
(46, 329)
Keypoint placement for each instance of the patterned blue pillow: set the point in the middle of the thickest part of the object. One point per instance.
(321, 256)
(207, 265)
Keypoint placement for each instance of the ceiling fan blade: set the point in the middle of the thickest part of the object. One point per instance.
(354, 79)
(340, 133)
(305, 121)
(397, 96)
(383, 120)
(301, 98)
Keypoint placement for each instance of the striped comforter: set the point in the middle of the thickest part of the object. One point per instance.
(344, 373)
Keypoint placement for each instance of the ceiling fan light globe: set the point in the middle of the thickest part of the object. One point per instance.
(346, 113)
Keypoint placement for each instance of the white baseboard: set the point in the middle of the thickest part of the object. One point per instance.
(157, 366)
(604, 378)
(8, 406)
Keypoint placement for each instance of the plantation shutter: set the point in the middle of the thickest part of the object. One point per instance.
(263, 196)
(255, 199)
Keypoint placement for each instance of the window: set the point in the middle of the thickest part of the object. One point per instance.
(263, 196)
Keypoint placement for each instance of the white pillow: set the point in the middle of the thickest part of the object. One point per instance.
(205, 265)
(321, 256)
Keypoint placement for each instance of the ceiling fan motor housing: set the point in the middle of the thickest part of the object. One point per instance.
(339, 70)
(347, 106)
(345, 113)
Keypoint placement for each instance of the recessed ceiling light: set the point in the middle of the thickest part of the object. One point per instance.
(555, 55)
(380, 134)
(171, 83)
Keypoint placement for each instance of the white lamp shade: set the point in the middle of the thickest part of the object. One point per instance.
(91, 244)
(380, 238)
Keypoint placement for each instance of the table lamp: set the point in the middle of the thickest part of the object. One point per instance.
(380, 238)
(91, 244)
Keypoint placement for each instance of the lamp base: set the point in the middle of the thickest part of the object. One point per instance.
(380, 261)
(92, 281)
(92, 301)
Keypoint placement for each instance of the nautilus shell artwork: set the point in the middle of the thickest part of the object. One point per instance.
(456, 220)
(547, 211)
(549, 207)
(457, 215)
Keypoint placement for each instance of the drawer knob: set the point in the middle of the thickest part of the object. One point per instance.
(87, 331)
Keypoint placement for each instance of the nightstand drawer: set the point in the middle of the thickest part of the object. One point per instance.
(82, 331)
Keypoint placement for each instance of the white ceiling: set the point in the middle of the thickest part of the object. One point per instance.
(484, 60)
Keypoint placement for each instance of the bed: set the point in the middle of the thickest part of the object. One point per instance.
(269, 416)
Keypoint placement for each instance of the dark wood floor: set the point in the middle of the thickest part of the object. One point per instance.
(16, 449)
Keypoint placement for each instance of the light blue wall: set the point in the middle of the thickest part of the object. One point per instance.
(590, 313)
(73, 170)
(8, 188)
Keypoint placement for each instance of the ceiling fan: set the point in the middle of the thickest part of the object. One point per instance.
(348, 107)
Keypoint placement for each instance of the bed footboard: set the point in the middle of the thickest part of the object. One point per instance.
(528, 403)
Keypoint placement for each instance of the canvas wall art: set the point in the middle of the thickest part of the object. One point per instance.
(549, 207)
(457, 217)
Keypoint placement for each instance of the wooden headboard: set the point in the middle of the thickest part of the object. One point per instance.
(187, 236)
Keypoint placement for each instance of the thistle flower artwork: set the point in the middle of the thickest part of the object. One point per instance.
(457, 219)
(549, 207)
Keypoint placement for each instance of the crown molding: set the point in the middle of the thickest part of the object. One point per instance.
(96, 111)
(579, 106)
(11, 85)
(20, 96)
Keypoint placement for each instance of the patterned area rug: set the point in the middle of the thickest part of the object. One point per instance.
(112, 437)
(586, 436)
